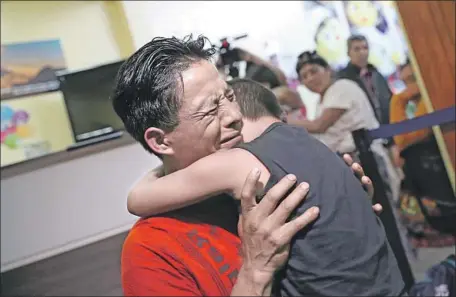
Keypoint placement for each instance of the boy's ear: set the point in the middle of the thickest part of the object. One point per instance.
(158, 141)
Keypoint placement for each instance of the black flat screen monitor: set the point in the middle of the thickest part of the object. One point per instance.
(87, 96)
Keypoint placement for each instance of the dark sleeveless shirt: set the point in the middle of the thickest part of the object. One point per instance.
(345, 252)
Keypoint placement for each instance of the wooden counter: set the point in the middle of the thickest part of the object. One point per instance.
(64, 156)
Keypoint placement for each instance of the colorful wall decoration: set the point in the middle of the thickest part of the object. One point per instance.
(33, 126)
(14, 126)
(30, 68)
(34, 121)
(332, 22)
(378, 21)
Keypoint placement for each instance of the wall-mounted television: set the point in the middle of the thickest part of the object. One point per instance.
(87, 94)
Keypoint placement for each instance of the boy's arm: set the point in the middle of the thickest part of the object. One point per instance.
(222, 172)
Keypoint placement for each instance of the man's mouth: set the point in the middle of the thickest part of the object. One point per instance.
(231, 141)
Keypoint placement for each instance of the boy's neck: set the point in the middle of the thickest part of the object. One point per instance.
(254, 128)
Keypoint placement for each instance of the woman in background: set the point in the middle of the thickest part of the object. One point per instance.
(343, 108)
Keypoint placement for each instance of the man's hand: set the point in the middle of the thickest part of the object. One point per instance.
(265, 234)
(365, 181)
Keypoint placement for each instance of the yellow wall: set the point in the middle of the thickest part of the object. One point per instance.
(83, 28)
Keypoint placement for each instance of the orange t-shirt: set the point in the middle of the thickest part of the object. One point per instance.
(398, 114)
(169, 257)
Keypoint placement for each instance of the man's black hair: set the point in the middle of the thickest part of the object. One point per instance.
(148, 89)
(254, 99)
(354, 38)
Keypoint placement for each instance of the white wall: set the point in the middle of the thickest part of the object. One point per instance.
(213, 18)
(68, 205)
(286, 25)
(281, 23)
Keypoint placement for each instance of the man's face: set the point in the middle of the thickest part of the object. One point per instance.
(359, 53)
(209, 118)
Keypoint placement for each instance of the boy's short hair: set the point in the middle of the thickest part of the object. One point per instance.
(255, 100)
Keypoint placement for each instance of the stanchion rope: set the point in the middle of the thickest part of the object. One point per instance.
(439, 117)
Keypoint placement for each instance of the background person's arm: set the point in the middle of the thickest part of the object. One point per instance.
(336, 102)
(249, 57)
(320, 124)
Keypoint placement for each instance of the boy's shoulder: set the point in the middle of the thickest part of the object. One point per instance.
(281, 134)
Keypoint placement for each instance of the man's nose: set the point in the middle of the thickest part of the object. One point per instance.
(232, 117)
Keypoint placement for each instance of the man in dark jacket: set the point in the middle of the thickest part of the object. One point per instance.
(374, 85)
(367, 77)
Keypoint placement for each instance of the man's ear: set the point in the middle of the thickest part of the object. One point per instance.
(158, 141)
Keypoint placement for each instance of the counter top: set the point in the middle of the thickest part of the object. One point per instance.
(64, 156)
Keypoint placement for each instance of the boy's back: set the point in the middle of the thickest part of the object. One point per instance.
(346, 251)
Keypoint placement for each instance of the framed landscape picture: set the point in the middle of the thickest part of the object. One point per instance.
(30, 68)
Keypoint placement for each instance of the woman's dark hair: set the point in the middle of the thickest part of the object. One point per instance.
(309, 57)
(148, 88)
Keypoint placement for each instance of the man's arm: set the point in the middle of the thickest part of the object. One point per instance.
(222, 172)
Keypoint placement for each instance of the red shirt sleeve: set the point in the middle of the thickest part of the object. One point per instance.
(157, 272)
